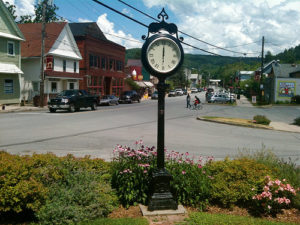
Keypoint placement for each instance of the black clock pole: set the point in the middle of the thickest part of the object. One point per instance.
(161, 198)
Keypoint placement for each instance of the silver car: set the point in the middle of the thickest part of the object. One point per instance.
(109, 100)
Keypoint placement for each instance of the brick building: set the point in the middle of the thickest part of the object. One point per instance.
(102, 67)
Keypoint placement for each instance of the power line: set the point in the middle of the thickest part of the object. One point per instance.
(128, 17)
(244, 53)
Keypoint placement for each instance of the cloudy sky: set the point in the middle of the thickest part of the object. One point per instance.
(237, 25)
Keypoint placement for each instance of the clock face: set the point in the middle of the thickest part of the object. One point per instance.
(163, 55)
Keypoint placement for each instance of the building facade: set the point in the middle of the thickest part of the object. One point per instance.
(102, 67)
(10, 58)
(61, 59)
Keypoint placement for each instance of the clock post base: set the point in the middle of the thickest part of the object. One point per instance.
(162, 198)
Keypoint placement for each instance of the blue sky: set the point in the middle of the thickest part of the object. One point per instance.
(237, 25)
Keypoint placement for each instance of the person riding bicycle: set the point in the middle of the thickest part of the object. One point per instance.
(196, 101)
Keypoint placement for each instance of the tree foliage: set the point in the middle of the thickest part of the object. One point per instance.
(50, 13)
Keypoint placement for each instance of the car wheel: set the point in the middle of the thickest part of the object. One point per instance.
(52, 110)
(72, 108)
(94, 106)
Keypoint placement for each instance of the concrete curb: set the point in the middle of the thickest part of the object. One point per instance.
(23, 109)
(236, 124)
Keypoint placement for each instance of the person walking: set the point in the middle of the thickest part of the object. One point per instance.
(188, 100)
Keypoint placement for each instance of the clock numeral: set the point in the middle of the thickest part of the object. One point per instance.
(150, 55)
(152, 61)
(169, 66)
(175, 56)
(163, 68)
(173, 61)
(163, 42)
(156, 66)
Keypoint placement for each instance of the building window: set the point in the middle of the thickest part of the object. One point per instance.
(71, 86)
(64, 65)
(119, 65)
(8, 86)
(53, 87)
(35, 86)
(10, 48)
(103, 62)
(111, 64)
(75, 67)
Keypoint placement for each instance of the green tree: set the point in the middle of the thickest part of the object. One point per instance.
(11, 9)
(179, 78)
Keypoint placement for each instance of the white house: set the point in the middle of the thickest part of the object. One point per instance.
(61, 64)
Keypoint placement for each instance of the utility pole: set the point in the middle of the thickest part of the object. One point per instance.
(42, 56)
(261, 69)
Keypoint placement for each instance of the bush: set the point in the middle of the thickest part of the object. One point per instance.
(274, 196)
(191, 182)
(132, 174)
(235, 180)
(82, 196)
(297, 121)
(260, 119)
(20, 190)
(131, 171)
(296, 99)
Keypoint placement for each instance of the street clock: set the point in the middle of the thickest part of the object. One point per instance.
(162, 55)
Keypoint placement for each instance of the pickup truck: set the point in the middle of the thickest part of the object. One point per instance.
(73, 100)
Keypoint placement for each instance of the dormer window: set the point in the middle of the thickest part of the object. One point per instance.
(11, 48)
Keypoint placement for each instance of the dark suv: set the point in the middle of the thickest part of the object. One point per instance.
(129, 97)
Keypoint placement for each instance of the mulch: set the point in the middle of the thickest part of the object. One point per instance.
(287, 215)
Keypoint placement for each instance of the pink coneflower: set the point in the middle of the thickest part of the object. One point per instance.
(183, 172)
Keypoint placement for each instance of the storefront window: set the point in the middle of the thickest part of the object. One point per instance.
(8, 86)
(54, 87)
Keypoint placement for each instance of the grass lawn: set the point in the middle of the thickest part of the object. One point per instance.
(119, 221)
(200, 218)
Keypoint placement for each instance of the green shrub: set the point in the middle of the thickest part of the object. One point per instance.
(260, 119)
(81, 196)
(131, 171)
(296, 99)
(274, 196)
(20, 190)
(191, 183)
(297, 121)
(280, 168)
(132, 174)
(235, 181)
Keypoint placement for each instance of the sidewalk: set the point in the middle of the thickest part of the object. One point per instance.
(243, 102)
(18, 108)
(285, 127)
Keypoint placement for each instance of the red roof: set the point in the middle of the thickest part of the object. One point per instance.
(33, 36)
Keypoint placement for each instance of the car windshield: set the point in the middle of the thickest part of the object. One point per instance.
(105, 97)
(66, 93)
(127, 93)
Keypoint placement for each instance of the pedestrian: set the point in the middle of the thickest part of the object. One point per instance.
(188, 100)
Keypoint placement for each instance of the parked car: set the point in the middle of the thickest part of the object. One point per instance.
(221, 98)
(73, 100)
(179, 92)
(154, 95)
(200, 89)
(184, 91)
(208, 96)
(109, 100)
(194, 90)
(172, 93)
(209, 90)
(129, 97)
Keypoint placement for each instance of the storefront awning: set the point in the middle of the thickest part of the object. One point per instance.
(9, 68)
(140, 83)
(149, 84)
(64, 78)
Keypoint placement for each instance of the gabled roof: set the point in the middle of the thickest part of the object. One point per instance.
(284, 70)
(89, 28)
(33, 35)
(5, 13)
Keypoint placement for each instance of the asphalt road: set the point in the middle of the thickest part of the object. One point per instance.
(96, 133)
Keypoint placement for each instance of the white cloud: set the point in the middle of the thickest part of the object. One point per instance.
(119, 36)
(23, 7)
(82, 20)
(235, 22)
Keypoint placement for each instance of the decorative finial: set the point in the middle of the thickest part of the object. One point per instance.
(163, 15)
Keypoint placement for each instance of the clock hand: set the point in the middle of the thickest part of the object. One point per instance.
(163, 59)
